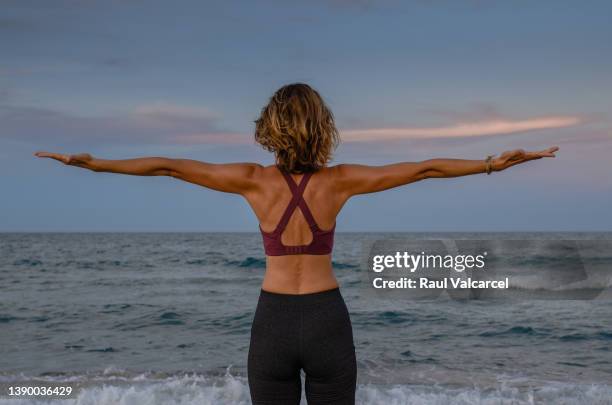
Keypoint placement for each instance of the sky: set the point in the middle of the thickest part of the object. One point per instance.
(406, 81)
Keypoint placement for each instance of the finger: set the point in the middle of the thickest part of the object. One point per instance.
(533, 155)
(57, 156)
(550, 152)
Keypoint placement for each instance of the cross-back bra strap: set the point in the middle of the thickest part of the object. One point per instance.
(286, 215)
(307, 214)
(302, 203)
(296, 200)
(295, 188)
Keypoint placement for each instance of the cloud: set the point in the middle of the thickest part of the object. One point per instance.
(165, 123)
(489, 127)
(156, 123)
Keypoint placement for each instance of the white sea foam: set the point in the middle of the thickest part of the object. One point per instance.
(228, 389)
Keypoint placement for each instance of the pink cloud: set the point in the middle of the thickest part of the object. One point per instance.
(462, 129)
(167, 123)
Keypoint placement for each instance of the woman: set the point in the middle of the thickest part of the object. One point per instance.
(301, 320)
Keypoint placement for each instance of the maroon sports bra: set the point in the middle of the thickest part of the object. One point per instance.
(322, 241)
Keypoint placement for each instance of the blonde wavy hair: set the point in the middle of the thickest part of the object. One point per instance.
(298, 127)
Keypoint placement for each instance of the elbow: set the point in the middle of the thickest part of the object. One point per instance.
(168, 172)
(427, 174)
(168, 167)
(428, 170)
(432, 174)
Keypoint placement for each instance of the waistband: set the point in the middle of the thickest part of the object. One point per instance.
(300, 299)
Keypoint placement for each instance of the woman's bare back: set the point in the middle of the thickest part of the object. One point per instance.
(303, 273)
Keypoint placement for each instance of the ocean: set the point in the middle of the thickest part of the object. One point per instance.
(164, 318)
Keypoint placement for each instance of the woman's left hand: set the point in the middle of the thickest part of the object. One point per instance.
(517, 156)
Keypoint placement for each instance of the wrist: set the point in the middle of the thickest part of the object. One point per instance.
(86, 161)
(496, 165)
(488, 164)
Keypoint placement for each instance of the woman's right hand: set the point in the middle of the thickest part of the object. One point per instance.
(81, 159)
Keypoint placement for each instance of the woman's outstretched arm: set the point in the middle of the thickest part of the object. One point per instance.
(229, 177)
(353, 179)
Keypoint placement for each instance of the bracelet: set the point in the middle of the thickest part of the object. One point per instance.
(488, 167)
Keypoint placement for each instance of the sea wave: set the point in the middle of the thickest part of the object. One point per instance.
(119, 389)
